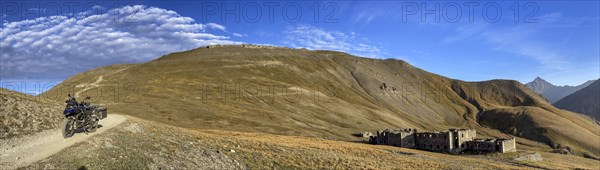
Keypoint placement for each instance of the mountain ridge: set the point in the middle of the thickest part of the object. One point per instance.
(552, 92)
(346, 94)
(584, 101)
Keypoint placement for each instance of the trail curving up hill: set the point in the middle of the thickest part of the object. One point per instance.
(25, 150)
(324, 94)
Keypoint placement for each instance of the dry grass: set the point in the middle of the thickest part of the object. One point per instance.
(140, 144)
(322, 94)
(550, 160)
(22, 114)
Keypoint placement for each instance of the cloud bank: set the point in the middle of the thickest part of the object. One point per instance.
(315, 38)
(61, 46)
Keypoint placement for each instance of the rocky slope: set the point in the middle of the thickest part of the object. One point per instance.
(324, 94)
(22, 114)
(552, 92)
(141, 144)
(585, 101)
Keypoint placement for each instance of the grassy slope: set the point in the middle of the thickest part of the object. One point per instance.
(323, 94)
(22, 114)
(141, 144)
(585, 101)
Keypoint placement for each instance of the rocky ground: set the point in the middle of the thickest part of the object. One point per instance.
(21, 151)
(141, 144)
(324, 94)
(22, 114)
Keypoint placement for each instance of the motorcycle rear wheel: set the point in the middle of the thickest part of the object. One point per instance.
(68, 128)
(93, 126)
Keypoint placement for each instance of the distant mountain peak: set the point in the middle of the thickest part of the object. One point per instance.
(539, 85)
(553, 92)
(366, 102)
(540, 80)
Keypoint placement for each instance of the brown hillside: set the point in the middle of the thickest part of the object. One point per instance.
(321, 93)
(22, 114)
(141, 144)
(585, 101)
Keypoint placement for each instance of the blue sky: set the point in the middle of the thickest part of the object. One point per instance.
(48, 41)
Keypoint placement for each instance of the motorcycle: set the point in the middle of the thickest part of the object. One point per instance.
(81, 115)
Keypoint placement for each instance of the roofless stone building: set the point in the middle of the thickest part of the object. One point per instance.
(398, 137)
(450, 141)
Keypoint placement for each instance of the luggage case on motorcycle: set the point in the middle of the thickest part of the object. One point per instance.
(101, 112)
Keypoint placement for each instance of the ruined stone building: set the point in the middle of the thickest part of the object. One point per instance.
(434, 141)
(398, 137)
(245, 46)
(460, 136)
(451, 141)
(492, 145)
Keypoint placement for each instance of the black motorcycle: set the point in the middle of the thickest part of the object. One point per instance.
(81, 115)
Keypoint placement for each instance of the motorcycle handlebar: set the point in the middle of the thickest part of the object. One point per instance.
(72, 99)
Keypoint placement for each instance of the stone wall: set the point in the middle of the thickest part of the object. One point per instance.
(407, 137)
(460, 137)
(492, 145)
(452, 141)
(397, 137)
(483, 145)
(507, 145)
(246, 46)
(434, 141)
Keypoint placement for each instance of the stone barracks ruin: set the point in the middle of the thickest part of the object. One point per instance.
(450, 141)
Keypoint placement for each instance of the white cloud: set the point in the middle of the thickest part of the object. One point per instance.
(364, 12)
(239, 35)
(366, 16)
(98, 7)
(523, 39)
(60, 46)
(217, 26)
(315, 38)
(466, 32)
(544, 53)
(222, 28)
(37, 9)
(520, 40)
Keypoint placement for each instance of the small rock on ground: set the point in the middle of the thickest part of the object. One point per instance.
(533, 157)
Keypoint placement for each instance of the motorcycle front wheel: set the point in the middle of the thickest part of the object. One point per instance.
(68, 128)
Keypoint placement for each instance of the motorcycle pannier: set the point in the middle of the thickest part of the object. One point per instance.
(101, 112)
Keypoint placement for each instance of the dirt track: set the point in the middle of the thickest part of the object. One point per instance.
(26, 150)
